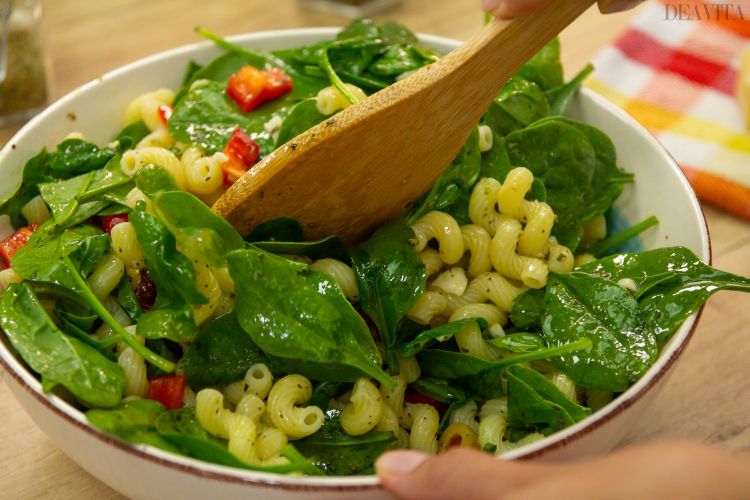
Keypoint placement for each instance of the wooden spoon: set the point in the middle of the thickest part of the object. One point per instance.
(364, 166)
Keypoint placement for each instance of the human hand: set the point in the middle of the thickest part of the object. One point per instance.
(656, 471)
(506, 9)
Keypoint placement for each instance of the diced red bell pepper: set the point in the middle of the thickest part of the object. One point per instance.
(417, 398)
(250, 87)
(242, 153)
(145, 290)
(167, 390)
(278, 83)
(10, 245)
(107, 222)
(165, 112)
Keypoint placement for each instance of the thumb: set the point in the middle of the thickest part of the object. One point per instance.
(457, 473)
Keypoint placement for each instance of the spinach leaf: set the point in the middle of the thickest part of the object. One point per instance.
(439, 390)
(132, 135)
(62, 260)
(197, 229)
(132, 421)
(76, 156)
(495, 162)
(206, 117)
(303, 116)
(35, 172)
(174, 322)
(360, 28)
(581, 305)
(40, 259)
(453, 365)
(545, 68)
(221, 353)
(606, 185)
(457, 180)
(448, 365)
(394, 33)
(617, 240)
(519, 342)
(282, 229)
(332, 247)
(152, 179)
(559, 97)
(324, 392)
(84, 323)
(72, 157)
(672, 283)
(190, 69)
(59, 359)
(170, 270)
(302, 316)
(390, 277)
(339, 454)
(69, 327)
(527, 310)
(182, 429)
(444, 332)
(563, 158)
(397, 59)
(519, 104)
(536, 404)
(74, 200)
(128, 301)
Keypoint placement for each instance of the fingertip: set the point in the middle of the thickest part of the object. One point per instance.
(395, 464)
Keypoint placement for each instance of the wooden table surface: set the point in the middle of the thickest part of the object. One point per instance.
(706, 398)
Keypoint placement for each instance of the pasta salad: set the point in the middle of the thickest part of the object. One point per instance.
(497, 311)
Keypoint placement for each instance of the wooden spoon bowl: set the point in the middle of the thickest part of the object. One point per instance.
(365, 165)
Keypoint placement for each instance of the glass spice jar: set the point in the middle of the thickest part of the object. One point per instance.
(23, 75)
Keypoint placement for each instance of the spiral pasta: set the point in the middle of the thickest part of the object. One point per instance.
(330, 99)
(445, 230)
(529, 270)
(493, 422)
(134, 369)
(36, 211)
(146, 107)
(364, 410)
(285, 395)
(424, 428)
(239, 430)
(477, 242)
(203, 174)
(106, 276)
(341, 273)
(134, 159)
(495, 288)
(457, 435)
(429, 305)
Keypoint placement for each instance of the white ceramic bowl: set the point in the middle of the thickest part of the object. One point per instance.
(94, 108)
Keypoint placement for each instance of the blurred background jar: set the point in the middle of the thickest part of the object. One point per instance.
(349, 8)
(23, 72)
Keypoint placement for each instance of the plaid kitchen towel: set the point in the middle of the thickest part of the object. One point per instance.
(675, 70)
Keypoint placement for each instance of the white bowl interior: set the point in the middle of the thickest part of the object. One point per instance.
(95, 110)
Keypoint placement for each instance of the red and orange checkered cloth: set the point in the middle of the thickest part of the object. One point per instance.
(678, 78)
